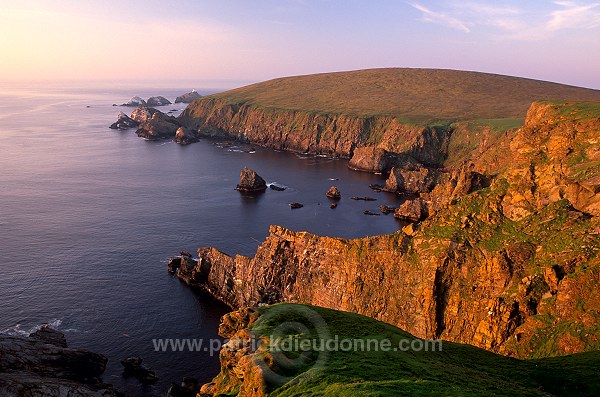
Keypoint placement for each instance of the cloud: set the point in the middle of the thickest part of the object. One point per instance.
(514, 23)
(441, 18)
(574, 15)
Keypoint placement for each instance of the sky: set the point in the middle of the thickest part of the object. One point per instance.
(228, 40)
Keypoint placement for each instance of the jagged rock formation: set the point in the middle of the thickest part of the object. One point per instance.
(511, 265)
(188, 97)
(43, 365)
(143, 113)
(158, 101)
(250, 181)
(155, 125)
(184, 136)
(124, 122)
(412, 210)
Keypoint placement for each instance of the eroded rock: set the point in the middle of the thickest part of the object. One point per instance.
(124, 122)
(250, 181)
(184, 136)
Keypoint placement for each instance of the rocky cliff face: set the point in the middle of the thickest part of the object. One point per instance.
(332, 134)
(513, 267)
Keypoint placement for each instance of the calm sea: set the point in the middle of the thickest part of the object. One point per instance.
(89, 216)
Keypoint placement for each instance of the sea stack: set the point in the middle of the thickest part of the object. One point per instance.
(250, 181)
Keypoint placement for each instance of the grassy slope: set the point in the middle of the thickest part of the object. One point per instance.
(458, 370)
(412, 95)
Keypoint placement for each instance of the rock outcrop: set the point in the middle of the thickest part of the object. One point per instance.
(135, 101)
(42, 365)
(188, 97)
(158, 101)
(184, 136)
(143, 113)
(124, 122)
(412, 210)
(156, 125)
(250, 181)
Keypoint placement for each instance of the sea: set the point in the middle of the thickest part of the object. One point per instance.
(89, 217)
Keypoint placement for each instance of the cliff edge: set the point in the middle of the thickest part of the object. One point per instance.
(513, 267)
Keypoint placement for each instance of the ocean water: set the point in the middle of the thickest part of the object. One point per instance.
(89, 216)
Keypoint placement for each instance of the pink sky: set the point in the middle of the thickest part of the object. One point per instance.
(252, 41)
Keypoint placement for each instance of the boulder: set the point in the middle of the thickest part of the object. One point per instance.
(135, 101)
(132, 366)
(188, 97)
(250, 181)
(124, 122)
(411, 210)
(160, 126)
(158, 101)
(184, 136)
(334, 193)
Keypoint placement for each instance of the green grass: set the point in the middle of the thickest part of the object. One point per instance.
(576, 110)
(416, 96)
(500, 125)
(457, 370)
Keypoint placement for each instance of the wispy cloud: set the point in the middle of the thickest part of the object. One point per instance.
(573, 15)
(513, 22)
(441, 18)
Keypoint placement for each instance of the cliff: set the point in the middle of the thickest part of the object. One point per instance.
(513, 267)
(311, 132)
(257, 362)
(412, 112)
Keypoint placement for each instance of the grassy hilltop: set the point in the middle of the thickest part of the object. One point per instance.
(417, 95)
(456, 370)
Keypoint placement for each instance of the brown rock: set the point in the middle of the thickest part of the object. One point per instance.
(411, 210)
(334, 193)
(250, 181)
(184, 136)
(371, 159)
(411, 181)
(158, 126)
